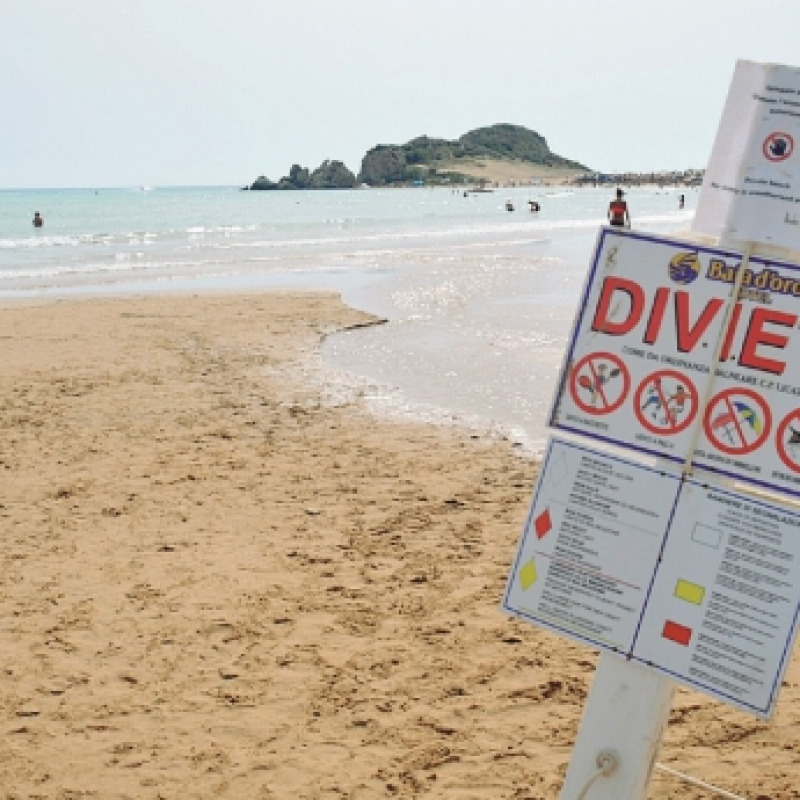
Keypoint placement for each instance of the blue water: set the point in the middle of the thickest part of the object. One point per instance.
(479, 300)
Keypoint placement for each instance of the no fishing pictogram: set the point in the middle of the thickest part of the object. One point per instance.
(666, 402)
(737, 421)
(778, 146)
(599, 383)
(788, 440)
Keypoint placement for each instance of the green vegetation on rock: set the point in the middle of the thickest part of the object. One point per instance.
(429, 161)
(514, 142)
(442, 161)
(328, 175)
(332, 175)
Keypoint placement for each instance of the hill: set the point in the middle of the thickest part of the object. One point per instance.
(513, 152)
(497, 154)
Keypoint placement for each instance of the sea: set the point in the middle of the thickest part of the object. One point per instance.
(479, 300)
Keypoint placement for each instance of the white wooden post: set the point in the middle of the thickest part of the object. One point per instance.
(625, 714)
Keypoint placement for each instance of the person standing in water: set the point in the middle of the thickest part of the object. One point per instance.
(618, 213)
(37, 220)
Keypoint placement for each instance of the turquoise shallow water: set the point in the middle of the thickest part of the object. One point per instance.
(479, 300)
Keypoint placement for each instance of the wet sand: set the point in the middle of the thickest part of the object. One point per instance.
(219, 582)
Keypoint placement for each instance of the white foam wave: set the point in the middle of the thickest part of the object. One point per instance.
(31, 242)
(119, 265)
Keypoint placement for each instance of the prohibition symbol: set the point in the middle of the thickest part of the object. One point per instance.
(737, 421)
(778, 146)
(788, 440)
(599, 383)
(666, 402)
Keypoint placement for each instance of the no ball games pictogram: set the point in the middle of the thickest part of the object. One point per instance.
(599, 383)
(737, 421)
(787, 440)
(778, 146)
(666, 402)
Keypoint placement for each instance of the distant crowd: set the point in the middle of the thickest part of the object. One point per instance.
(689, 177)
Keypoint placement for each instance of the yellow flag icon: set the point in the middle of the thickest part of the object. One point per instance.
(528, 575)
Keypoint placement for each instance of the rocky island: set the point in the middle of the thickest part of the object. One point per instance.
(497, 153)
(328, 175)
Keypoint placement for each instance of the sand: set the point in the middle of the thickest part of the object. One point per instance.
(218, 583)
(501, 172)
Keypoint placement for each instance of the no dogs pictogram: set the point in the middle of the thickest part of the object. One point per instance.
(666, 402)
(737, 421)
(788, 440)
(778, 146)
(599, 383)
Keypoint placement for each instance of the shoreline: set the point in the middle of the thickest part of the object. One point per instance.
(216, 583)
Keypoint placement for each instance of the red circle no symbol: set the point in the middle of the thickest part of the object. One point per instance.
(737, 421)
(778, 146)
(788, 440)
(599, 383)
(666, 402)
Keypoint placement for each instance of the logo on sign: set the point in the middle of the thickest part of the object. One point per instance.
(684, 268)
(778, 146)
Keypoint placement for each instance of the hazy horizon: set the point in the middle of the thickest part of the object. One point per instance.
(194, 93)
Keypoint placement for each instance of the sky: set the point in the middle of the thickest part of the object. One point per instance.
(100, 93)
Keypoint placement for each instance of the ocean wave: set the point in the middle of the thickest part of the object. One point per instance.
(74, 240)
(494, 232)
(121, 238)
(226, 229)
(90, 268)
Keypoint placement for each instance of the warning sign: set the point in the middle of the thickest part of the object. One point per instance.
(662, 581)
(737, 421)
(590, 545)
(666, 402)
(727, 559)
(599, 383)
(640, 366)
(751, 187)
(788, 441)
(778, 146)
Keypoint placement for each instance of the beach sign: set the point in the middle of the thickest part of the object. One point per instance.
(693, 581)
(684, 349)
(751, 187)
(687, 353)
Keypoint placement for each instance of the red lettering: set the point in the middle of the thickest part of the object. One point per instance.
(656, 316)
(689, 336)
(635, 294)
(756, 335)
(621, 306)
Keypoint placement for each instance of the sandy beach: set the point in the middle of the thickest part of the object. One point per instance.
(219, 582)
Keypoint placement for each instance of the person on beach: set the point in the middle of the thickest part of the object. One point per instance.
(534, 206)
(618, 213)
(37, 220)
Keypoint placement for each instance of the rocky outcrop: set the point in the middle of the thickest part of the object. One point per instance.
(385, 165)
(328, 175)
(428, 160)
(332, 175)
(261, 183)
(438, 160)
(512, 142)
